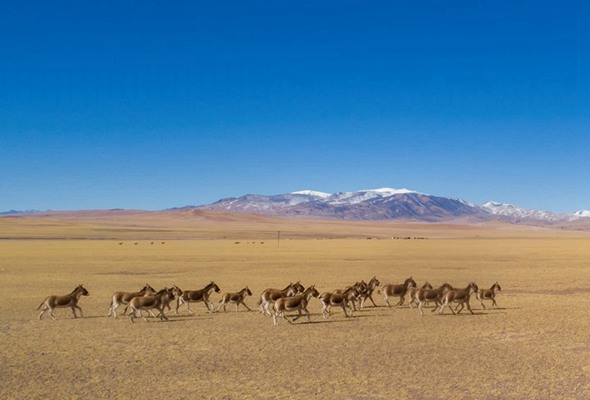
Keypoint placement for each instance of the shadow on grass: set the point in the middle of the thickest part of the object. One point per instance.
(468, 314)
(324, 321)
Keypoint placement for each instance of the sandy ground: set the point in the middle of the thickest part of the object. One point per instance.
(536, 345)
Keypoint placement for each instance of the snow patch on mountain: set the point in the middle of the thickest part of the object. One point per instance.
(360, 196)
(390, 191)
(313, 193)
(582, 214)
(510, 210)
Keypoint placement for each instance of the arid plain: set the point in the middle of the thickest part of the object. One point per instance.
(535, 345)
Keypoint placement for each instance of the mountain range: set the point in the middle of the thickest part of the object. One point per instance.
(384, 204)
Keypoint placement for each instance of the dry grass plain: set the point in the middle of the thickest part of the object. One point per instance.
(535, 346)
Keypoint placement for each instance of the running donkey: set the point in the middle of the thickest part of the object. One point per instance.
(68, 300)
(270, 295)
(460, 296)
(123, 298)
(392, 290)
(151, 302)
(235, 298)
(294, 303)
(488, 294)
(193, 296)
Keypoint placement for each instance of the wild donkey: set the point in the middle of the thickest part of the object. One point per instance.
(424, 296)
(68, 300)
(412, 292)
(123, 298)
(151, 302)
(270, 295)
(294, 303)
(368, 292)
(235, 298)
(352, 294)
(488, 294)
(340, 299)
(460, 296)
(400, 290)
(193, 296)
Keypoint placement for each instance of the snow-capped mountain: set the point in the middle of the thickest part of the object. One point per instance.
(372, 204)
(266, 204)
(510, 210)
(515, 212)
(385, 204)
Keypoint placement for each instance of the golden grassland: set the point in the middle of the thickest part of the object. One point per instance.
(536, 345)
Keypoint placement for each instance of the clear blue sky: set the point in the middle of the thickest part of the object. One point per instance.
(150, 105)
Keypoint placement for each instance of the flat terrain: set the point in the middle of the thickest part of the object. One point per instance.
(536, 345)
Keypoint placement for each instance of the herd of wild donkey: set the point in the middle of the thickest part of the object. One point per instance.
(278, 302)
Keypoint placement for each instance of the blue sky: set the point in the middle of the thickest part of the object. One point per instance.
(150, 105)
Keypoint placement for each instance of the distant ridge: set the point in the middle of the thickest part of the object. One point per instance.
(17, 212)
